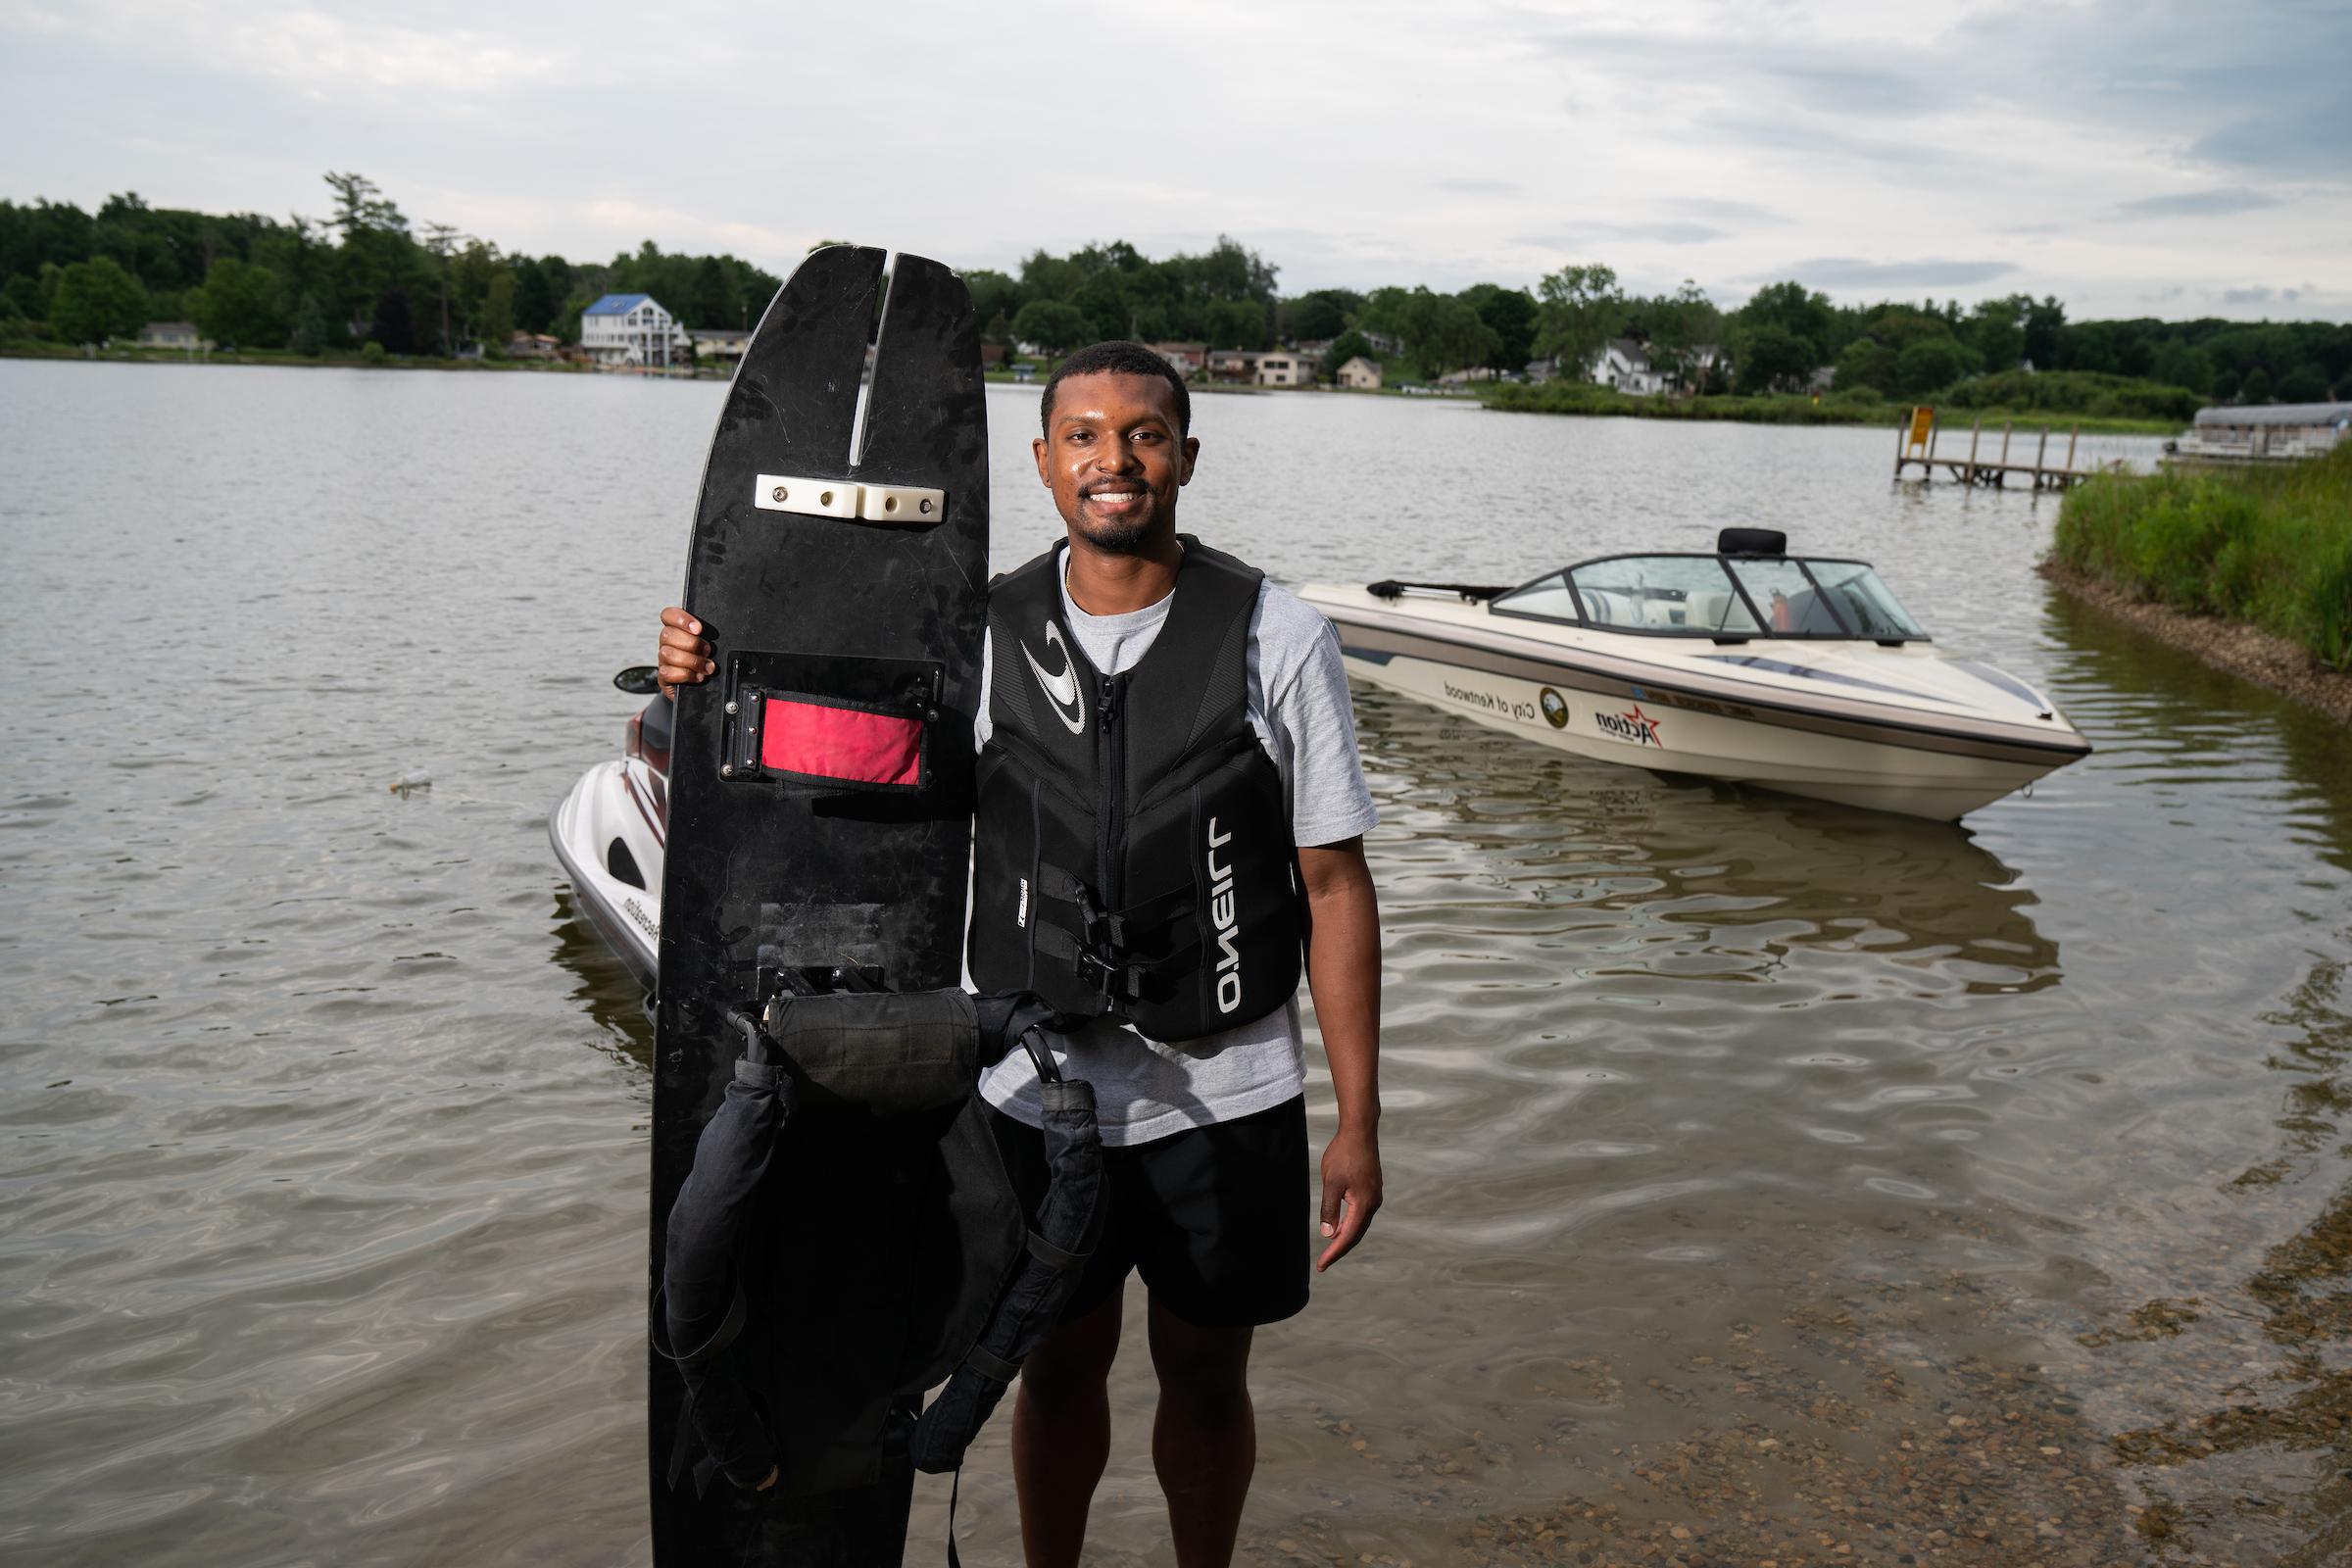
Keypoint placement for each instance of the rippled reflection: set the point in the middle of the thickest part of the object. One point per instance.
(1757, 1170)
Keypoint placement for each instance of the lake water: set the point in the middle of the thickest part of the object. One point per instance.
(1792, 1178)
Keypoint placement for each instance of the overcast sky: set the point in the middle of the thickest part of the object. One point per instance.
(2134, 158)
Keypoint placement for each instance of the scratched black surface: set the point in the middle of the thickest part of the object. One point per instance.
(788, 874)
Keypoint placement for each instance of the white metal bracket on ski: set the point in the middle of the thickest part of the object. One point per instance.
(846, 498)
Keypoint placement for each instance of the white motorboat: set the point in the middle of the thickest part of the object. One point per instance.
(1802, 674)
(610, 829)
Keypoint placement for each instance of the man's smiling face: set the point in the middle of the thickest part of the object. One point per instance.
(1114, 458)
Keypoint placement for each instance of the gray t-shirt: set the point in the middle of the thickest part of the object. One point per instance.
(1298, 705)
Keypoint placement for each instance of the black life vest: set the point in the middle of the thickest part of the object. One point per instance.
(1132, 857)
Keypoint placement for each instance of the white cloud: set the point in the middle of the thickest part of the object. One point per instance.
(1383, 141)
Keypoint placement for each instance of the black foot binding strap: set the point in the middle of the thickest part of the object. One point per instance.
(1061, 1235)
(701, 1307)
(953, 1281)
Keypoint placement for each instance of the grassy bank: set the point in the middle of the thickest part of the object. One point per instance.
(1600, 402)
(2270, 547)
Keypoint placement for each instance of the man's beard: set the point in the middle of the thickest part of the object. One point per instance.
(1119, 538)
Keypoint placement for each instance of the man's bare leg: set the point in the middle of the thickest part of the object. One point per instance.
(1205, 1437)
(1061, 1433)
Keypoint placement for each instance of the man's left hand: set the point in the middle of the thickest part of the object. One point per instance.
(1351, 1192)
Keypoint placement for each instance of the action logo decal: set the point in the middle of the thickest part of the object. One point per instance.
(1555, 709)
(1635, 726)
(1069, 704)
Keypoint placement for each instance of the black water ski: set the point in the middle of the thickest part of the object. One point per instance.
(774, 878)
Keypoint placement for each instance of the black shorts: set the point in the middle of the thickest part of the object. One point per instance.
(1218, 1218)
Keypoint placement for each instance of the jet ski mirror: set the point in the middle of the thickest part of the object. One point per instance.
(638, 680)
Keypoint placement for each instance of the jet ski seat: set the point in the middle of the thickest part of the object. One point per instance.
(653, 724)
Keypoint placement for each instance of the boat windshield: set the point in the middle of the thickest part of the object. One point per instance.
(1687, 593)
(1717, 595)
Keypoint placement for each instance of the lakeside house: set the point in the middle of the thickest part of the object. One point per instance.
(2264, 432)
(171, 335)
(631, 330)
(1261, 368)
(533, 346)
(1185, 358)
(720, 342)
(1284, 368)
(1359, 374)
(1625, 363)
(1229, 365)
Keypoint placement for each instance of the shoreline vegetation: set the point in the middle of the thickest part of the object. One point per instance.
(365, 277)
(1577, 400)
(2250, 570)
(1834, 409)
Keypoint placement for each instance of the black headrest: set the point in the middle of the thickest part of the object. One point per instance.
(1751, 542)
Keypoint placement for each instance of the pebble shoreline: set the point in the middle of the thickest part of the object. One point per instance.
(2227, 644)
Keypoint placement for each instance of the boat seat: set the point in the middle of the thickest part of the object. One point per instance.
(1606, 609)
(653, 724)
(1704, 610)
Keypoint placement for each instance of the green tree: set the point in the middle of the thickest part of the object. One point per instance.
(240, 304)
(2089, 346)
(1996, 330)
(1234, 325)
(993, 294)
(2305, 383)
(1774, 359)
(2256, 387)
(1349, 345)
(2044, 321)
(1933, 364)
(1682, 326)
(2176, 364)
(1797, 312)
(1051, 325)
(498, 311)
(1866, 363)
(1578, 309)
(97, 300)
(539, 291)
(310, 328)
(1510, 315)
(394, 325)
(1441, 332)
(24, 291)
(1319, 314)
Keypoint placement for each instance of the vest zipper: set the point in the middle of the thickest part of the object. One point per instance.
(1113, 770)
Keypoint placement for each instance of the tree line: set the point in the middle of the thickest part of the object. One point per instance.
(363, 274)
(367, 273)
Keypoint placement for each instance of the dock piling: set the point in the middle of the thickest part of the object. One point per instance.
(1977, 467)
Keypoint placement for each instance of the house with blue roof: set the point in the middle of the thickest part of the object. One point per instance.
(632, 330)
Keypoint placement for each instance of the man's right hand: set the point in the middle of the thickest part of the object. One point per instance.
(684, 659)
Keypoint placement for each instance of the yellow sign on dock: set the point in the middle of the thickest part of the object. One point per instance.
(1923, 419)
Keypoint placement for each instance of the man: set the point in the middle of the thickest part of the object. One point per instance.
(1205, 1137)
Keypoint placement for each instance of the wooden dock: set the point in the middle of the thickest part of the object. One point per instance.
(1915, 442)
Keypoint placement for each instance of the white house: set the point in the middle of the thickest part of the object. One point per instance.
(1625, 363)
(720, 342)
(631, 330)
(1359, 374)
(1281, 368)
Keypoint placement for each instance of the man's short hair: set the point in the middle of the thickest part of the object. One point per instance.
(1116, 358)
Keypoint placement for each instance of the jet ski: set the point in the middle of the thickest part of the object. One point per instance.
(1802, 674)
(609, 832)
